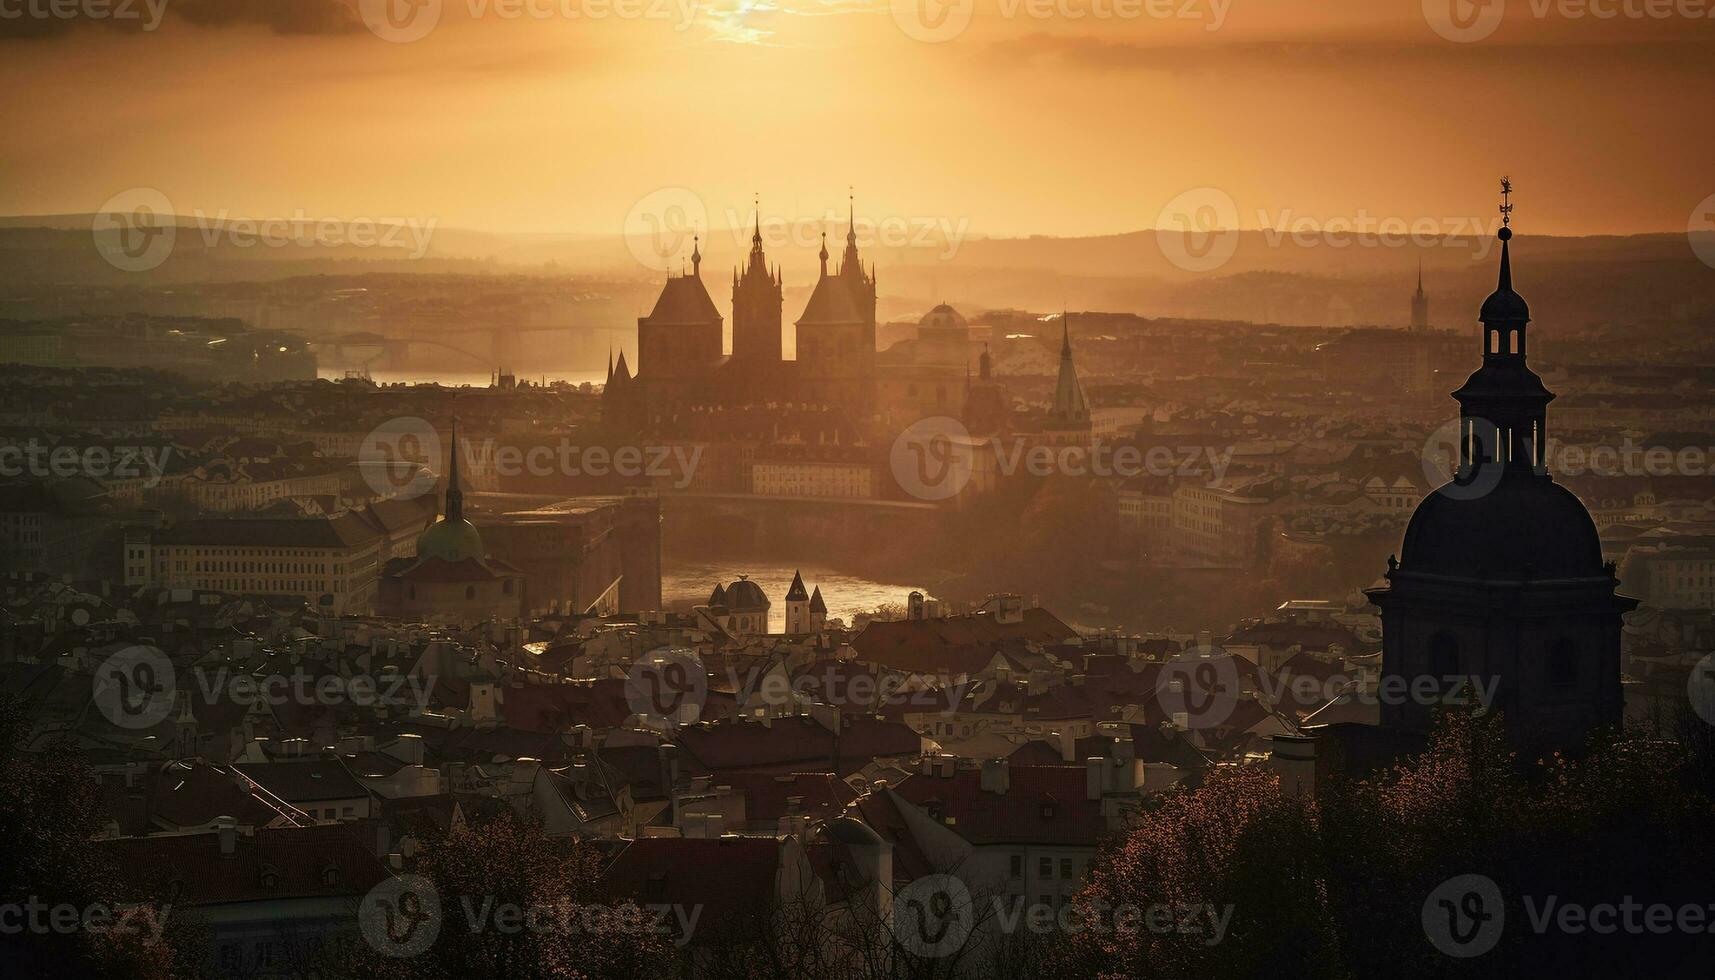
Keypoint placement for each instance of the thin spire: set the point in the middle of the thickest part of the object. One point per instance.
(455, 496)
(1066, 334)
(697, 255)
(756, 233)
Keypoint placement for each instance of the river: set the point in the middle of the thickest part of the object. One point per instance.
(456, 379)
(689, 582)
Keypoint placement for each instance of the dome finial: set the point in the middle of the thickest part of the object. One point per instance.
(1506, 233)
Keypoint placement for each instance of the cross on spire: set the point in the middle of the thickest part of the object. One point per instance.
(1506, 201)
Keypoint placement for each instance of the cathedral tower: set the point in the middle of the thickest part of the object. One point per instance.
(836, 333)
(679, 342)
(1419, 303)
(756, 306)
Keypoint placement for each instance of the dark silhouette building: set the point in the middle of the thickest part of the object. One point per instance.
(1420, 303)
(682, 370)
(1501, 579)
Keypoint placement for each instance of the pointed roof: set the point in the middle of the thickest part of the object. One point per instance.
(1504, 305)
(455, 496)
(816, 603)
(832, 302)
(1069, 402)
(797, 593)
(684, 300)
(718, 596)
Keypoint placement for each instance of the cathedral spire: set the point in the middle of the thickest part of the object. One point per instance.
(1069, 402)
(823, 254)
(455, 496)
(696, 256)
(849, 263)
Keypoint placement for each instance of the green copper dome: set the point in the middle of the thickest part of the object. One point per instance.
(451, 539)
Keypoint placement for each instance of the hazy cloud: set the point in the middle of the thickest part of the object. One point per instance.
(280, 16)
(39, 20)
(1098, 53)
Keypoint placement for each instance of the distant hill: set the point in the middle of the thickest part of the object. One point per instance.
(1268, 278)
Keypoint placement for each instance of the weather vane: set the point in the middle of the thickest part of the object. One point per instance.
(1506, 201)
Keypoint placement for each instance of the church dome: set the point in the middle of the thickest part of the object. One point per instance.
(745, 596)
(943, 317)
(451, 539)
(1504, 305)
(1525, 527)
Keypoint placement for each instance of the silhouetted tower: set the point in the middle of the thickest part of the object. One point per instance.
(798, 607)
(756, 306)
(987, 409)
(836, 334)
(1068, 420)
(1500, 579)
(1419, 303)
(679, 341)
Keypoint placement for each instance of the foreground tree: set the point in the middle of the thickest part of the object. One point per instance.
(49, 819)
(1346, 886)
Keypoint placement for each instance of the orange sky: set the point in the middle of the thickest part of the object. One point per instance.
(1026, 121)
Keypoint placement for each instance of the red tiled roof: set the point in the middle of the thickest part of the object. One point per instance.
(730, 879)
(766, 795)
(880, 812)
(193, 872)
(799, 743)
(1042, 805)
(955, 644)
(184, 794)
(1035, 753)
